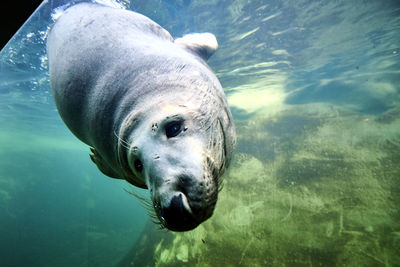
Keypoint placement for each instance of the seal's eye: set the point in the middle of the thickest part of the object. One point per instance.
(173, 129)
(138, 165)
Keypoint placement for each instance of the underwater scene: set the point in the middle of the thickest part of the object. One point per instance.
(314, 89)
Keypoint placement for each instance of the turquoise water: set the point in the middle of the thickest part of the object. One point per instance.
(314, 90)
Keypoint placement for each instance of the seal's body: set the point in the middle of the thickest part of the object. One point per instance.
(148, 105)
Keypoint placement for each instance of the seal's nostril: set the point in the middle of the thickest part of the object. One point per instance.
(177, 216)
(177, 204)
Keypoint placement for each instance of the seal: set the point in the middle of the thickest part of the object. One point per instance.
(149, 106)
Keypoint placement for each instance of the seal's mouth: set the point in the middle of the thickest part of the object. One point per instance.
(178, 216)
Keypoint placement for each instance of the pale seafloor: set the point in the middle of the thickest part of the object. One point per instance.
(314, 87)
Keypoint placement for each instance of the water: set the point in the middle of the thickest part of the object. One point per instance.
(314, 89)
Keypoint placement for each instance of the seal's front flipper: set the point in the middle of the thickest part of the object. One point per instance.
(102, 164)
(200, 44)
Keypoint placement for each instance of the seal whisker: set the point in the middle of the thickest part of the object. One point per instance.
(154, 219)
(146, 203)
(159, 224)
(123, 142)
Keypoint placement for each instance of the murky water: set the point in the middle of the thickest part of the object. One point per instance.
(314, 90)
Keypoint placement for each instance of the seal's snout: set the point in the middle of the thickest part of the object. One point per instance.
(184, 201)
(177, 216)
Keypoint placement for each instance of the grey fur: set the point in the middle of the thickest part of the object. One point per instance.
(118, 79)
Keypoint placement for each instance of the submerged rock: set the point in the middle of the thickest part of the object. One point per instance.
(325, 193)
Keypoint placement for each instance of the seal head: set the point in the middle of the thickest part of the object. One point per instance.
(179, 150)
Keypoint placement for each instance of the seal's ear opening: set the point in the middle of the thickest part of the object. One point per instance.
(201, 44)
